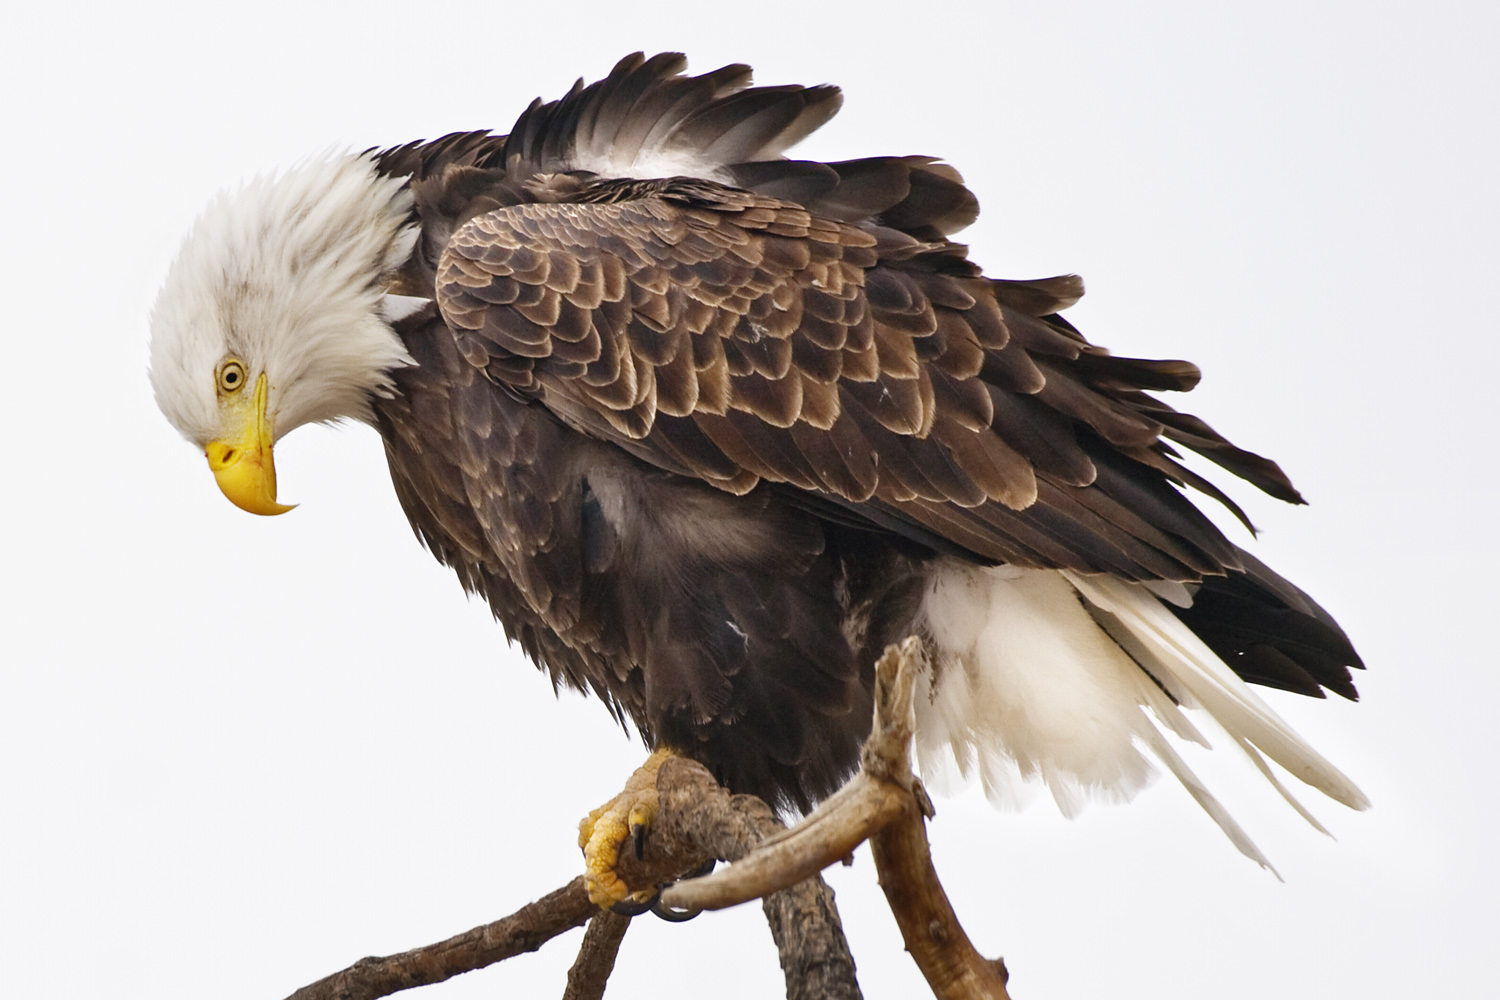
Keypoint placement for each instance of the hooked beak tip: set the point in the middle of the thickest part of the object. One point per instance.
(246, 476)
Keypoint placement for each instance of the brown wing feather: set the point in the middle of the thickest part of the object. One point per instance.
(735, 337)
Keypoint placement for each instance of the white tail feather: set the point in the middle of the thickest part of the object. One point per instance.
(1219, 690)
(1025, 686)
(1200, 793)
(1056, 676)
(1270, 775)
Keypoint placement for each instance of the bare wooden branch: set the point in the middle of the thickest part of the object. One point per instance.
(596, 956)
(530, 927)
(828, 835)
(810, 942)
(930, 928)
(697, 820)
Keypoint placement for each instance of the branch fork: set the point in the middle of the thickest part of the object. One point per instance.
(698, 820)
(886, 804)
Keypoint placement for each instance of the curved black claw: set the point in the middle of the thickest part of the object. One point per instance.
(638, 835)
(678, 916)
(669, 914)
(630, 908)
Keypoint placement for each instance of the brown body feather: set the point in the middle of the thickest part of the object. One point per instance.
(696, 439)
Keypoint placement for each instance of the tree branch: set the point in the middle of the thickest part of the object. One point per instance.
(930, 928)
(530, 927)
(934, 937)
(810, 942)
(596, 956)
(696, 820)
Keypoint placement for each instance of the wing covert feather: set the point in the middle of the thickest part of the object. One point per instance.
(736, 337)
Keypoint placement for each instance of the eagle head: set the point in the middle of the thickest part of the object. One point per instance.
(275, 314)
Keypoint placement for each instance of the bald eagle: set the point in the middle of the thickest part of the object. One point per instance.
(708, 427)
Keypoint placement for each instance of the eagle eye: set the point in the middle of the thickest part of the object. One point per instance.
(231, 376)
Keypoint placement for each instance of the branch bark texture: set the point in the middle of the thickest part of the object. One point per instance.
(935, 939)
(530, 927)
(596, 956)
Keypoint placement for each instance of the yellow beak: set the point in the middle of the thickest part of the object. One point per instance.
(242, 461)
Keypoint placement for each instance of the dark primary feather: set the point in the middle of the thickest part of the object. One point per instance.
(696, 439)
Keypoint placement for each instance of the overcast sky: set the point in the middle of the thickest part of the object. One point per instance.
(239, 753)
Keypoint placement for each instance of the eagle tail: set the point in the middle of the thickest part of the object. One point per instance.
(1071, 680)
(1192, 673)
(1173, 761)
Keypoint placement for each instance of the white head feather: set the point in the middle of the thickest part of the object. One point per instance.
(286, 275)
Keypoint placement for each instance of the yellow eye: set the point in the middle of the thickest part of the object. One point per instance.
(231, 376)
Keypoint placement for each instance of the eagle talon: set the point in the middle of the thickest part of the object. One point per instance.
(603, 834)
(638, 836)
(670, 915)
(634, 908)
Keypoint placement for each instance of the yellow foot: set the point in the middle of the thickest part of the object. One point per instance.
(627, 816)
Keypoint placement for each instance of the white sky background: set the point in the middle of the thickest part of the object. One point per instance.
(239, 753)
